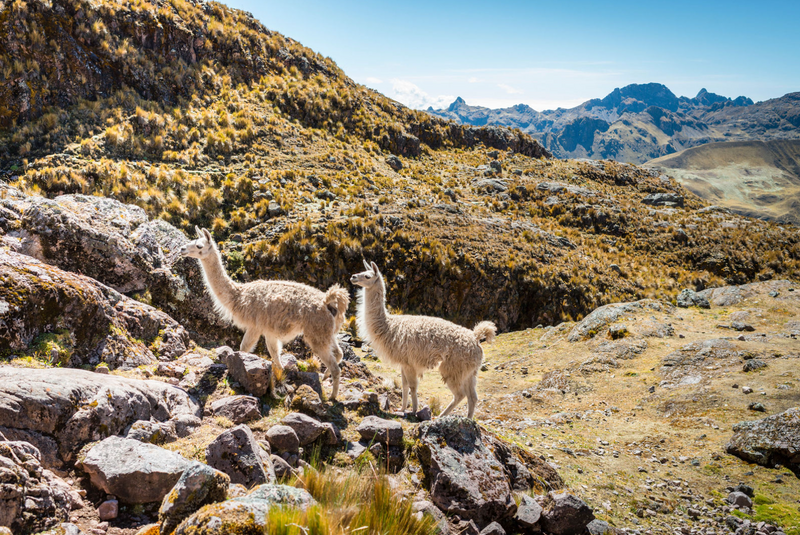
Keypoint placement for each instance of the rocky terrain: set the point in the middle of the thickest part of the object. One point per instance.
(640, 122)
(629, 308)
(754, 178)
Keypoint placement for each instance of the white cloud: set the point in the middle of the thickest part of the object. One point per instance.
(414, 97)
(373, 80)
(510, 90)
(474, 80)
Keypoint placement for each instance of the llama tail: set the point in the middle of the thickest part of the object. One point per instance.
(337, 299)
(485, 331)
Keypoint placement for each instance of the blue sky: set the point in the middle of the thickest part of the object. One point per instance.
(547, 54)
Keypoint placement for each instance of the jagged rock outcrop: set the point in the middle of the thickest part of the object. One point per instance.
(769, 441)
(31, 498)
(93, 322)
(117, 245)
(461, 474)
(61, 409)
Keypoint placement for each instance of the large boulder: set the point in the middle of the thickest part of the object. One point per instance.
(115, 244)
(305, 427)
(664, 199)
(237, 453)
(769, 441)
(689, 298)
(237, 409)
(249, 370)
(600, 318)
(565, 514)
(133, 471)
(247, 514)
(199, 485)
(88, 321)
(374, 429)
(31, 498)
(461, 474)
(61, 409)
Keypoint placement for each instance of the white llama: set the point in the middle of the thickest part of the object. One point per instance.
(420, 343)
(278, 310)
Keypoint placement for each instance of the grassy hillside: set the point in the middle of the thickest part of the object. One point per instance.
(202, 116)
(754, 178)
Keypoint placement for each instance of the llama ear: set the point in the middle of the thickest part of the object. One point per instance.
(375, 268)
(207, 234)
(198, 231)
(366, 265)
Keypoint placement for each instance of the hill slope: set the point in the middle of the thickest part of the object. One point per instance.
(754, 178)
(300, 172)
(641, 121)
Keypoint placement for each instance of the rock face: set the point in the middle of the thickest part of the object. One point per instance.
(133, 471)
(237, 409)
(31, 498)
(689, 298)
(769, 441)
(564, 514)
(663, 199)
(199, 485)
(731, 295)
(237, 453)
(61, 409)
(247, 514)
(115, 244)
(251, 371)
(462, 475)
(96, 323)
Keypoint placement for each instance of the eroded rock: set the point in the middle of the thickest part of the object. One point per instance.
(769, 441)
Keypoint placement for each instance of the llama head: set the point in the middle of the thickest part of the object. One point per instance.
(200, 248)
(368, 278)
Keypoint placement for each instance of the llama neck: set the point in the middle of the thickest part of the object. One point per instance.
(375, 316)
(222, 288)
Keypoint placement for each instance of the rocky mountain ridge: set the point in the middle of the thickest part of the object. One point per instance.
(640, 122)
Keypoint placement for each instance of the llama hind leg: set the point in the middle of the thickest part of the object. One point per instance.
(457, 397)
(249, 340)
(472, 395)
(337, 356)
(328, 357)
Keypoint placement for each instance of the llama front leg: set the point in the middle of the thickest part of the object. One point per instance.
(404, 401)
(274, 347)
(249, 340)
(413, 380)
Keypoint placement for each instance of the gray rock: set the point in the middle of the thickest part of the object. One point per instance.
(237, 453)
(664, 199)
(307, 400)
(742, 326)
(769, 441)
(32, 499)
(529, 512)
(108, 510)
(305, 427)
(283, 438)
(491, 185)
(374, 429)
(331, 435)
(250, 371)
(133, 471)
(565, 514)
(756, 406)
(394, 162)
(753, 365)
(237, 409)
(739, 499)
(731, 295)
(153, 432)
(282, 468)
(461, 474)
(199, 485)
(599, 527)
(70, 407)
(424, 414)
(275, 210)
(689, 298)
(247, 514)
(493, 529)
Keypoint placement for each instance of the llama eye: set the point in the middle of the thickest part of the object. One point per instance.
(199, 246)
